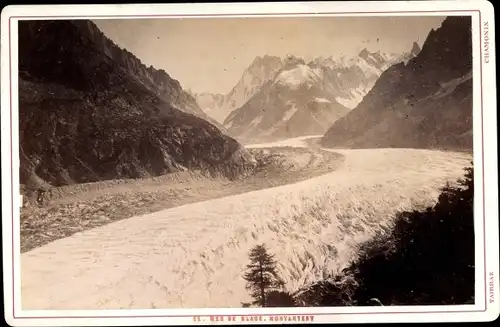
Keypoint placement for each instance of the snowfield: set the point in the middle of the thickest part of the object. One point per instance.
(322, 100)
(194, 255)
(354, 97)
(302, 74)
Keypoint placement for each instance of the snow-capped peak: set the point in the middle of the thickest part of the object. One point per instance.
(297, 76)
(261, 70)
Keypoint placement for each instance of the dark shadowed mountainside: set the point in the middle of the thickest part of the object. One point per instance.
(426, 103)
(90, 111)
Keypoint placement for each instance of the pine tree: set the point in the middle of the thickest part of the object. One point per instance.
(261, 275)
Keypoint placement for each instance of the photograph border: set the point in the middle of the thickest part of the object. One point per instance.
(12, 252)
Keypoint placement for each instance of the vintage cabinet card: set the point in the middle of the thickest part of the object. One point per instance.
(249, 163)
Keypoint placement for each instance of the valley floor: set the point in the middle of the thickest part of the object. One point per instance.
(194, 255)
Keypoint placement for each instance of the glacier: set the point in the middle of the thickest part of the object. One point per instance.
(193, 256)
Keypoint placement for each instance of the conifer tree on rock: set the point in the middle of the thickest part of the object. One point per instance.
(261, 275)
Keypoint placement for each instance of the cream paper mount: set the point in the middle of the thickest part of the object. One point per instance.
(269, 163)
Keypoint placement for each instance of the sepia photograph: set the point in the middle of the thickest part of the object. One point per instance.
(249, 162)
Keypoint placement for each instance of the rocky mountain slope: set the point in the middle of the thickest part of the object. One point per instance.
(90, 111)
(157, 81)
(425, 103)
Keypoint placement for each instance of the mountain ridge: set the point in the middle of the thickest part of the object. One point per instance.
(264, 68)
(326, 91)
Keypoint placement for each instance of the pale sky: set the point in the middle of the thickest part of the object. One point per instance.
(210, 54)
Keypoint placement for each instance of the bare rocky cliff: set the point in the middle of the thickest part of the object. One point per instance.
(90, 111)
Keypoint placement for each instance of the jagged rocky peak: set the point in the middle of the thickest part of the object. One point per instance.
(291, 60)
(266, 59)
(373, 58)
(326, 62)
(263, 65)
(364, 53)
(415, 49)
